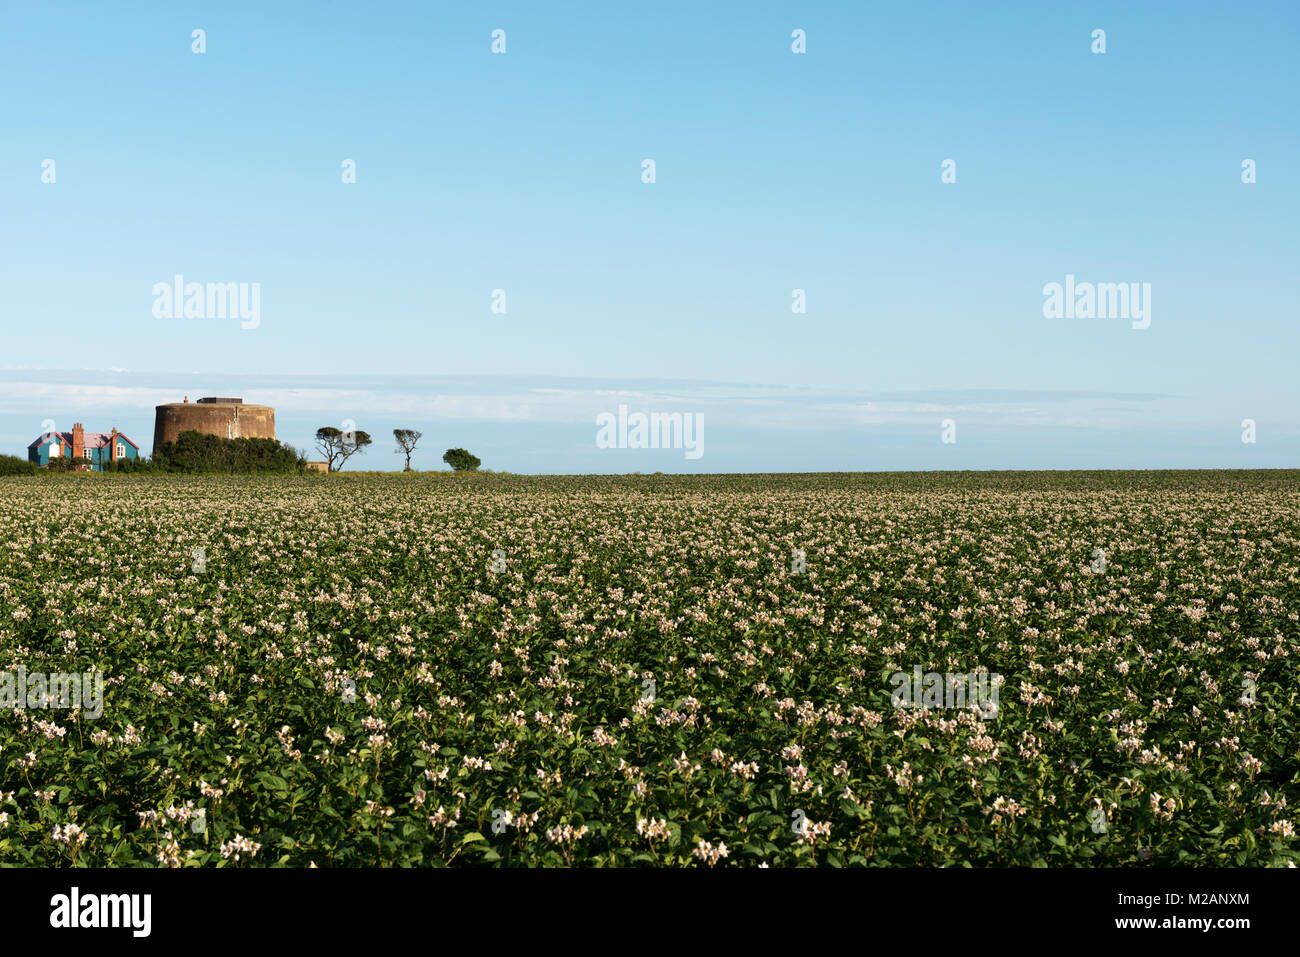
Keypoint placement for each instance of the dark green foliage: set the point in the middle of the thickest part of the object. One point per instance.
(252, 628)
(199, 452)
(461, 461)
(63, 463)
(130, 465)
(12, 465)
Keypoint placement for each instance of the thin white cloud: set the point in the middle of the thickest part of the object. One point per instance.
(522, 400)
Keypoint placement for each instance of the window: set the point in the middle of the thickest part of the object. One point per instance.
(121, 450)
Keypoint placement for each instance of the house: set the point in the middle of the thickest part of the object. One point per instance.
(99, 448)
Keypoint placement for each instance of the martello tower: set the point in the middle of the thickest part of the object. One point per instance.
(227, 418)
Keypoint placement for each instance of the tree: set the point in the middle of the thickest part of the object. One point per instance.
(406, 439)
(339, 446)
(12, 465)
(65, 464)
(461, 461)
(200, 452)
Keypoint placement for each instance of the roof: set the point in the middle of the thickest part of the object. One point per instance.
(208, 404)
(92, 440)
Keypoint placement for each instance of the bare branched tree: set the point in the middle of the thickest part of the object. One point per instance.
(406, 441)
(339, 446)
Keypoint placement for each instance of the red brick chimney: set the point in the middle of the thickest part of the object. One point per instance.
(78, 441)
(112, 447)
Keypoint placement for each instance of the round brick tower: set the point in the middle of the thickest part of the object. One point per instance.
(227, 418)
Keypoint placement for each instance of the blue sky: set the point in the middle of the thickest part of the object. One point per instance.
(774, 172)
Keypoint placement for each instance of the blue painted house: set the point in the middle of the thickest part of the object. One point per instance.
(99, 448)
